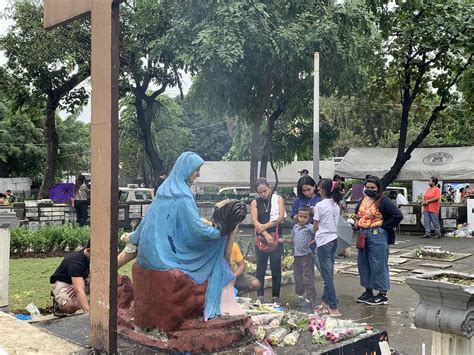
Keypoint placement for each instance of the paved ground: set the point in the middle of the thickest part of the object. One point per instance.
(396, 318)
(19, 337)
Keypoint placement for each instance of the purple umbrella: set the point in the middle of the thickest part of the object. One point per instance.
(61, 193)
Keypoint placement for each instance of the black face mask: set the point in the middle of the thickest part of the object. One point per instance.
(370, 193)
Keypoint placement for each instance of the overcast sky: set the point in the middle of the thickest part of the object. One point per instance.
(85, 115)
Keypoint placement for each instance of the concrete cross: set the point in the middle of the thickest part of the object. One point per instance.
(104, 157)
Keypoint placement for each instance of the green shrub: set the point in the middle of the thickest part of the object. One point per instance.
(47, 239)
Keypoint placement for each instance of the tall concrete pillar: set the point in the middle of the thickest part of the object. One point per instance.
(7, 221)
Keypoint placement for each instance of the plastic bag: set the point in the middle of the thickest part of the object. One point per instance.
(263, 348)
(291, 339)
(33, 310)
(277, 336)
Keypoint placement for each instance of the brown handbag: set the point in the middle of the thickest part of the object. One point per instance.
(360, 241)
(262, 244)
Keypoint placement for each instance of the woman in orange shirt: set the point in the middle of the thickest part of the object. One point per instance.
(431, 205)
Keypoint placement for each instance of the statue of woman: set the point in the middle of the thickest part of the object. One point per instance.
(173, 236)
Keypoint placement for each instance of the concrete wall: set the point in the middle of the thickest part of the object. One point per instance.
(15, 184)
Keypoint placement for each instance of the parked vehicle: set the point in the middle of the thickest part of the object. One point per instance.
(233, 191)
(133, 193)
(389, 192)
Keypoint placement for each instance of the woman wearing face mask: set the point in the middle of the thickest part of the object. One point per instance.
(431, 207)
(306, 195)
(267, 212)
(378, 215)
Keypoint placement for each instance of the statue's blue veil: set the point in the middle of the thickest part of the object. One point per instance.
(172, 236)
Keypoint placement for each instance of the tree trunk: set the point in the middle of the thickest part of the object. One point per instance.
(51, 142)
(145, 118)
(402, 158)
(265, 155)
(254, 148)
(267, 149)
(256, 124)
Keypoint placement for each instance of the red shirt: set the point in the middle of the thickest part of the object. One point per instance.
(432, 192)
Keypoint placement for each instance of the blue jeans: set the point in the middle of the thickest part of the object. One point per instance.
(430, 217)
(275, 267)
(372, 261)
(326, 256)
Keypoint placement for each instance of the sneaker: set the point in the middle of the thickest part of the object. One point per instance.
(261, 299)
(365, 297)
(426, 236)
(304, 305)
(56, 311)
(378, 300)
(277, 301)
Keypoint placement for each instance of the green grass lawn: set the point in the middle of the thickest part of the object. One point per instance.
(29, 281)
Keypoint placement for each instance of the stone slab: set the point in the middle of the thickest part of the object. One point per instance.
(422, 271)
(437, 265)
(392, 261)
(397, 278)
(397, 270)
(454, 257)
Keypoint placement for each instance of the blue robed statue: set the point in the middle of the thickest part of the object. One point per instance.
(173, 236)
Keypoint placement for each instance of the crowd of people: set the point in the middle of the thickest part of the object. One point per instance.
(315, 211)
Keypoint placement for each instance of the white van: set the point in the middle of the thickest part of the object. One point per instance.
(133, 193)
(233, 191)
(388, 192)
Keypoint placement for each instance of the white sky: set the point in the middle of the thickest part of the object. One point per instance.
(86, 112)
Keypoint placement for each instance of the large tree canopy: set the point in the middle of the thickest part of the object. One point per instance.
(429, 46)
(256, 60)
(43, 70)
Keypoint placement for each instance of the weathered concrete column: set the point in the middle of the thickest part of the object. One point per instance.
(7, 221)
(447, 308)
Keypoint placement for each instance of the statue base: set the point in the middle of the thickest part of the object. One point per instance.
(164, 311)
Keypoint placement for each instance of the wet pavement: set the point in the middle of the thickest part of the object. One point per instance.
(396, 318)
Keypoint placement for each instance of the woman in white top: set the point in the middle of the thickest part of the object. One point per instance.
(326, 217)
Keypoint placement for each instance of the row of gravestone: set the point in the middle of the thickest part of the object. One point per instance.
(129, 215)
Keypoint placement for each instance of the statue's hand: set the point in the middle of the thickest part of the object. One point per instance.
(125, 237)
(206, 221)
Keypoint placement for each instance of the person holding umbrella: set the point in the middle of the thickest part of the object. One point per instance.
(81, 195)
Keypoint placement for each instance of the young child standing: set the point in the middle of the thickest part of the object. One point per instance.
(326, 217)
(303, 267)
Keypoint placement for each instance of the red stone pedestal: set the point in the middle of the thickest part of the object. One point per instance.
(172, 302)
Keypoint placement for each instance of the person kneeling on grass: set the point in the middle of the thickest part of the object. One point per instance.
(69, 283)
(244, 282)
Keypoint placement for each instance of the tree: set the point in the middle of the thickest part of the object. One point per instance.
(430, 46)
(44, 69)
(22, 149)
(211, 133)
(149, 64)
(21, 143)
(256, 58)
(74, 146)
(168, 135)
